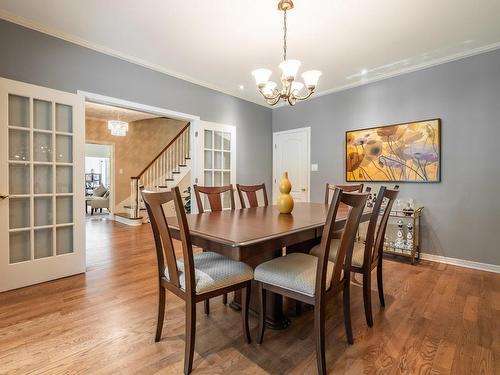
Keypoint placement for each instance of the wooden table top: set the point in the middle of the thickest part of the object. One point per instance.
(238, 228)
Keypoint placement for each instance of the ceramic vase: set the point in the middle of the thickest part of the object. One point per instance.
(285, 200)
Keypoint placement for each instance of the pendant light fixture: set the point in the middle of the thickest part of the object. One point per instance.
(291, 89)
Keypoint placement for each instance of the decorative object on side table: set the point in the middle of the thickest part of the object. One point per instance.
(285, 200)
(409, 236)
(400, 243)
(402, 236)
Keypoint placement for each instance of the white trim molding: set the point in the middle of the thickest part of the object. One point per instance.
(159, 68)
(461, 262)
(31, 24)
(116, 102)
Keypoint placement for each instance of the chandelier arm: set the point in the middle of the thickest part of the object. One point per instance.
(274, 101)
(271, 97)
(297, 97)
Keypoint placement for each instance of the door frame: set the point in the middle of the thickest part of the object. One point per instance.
(308, 154)
(122, 103)
(112, 168)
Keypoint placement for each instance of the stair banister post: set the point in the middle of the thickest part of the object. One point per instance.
(134, 196)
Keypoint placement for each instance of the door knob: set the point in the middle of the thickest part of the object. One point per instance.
(3, 196)
(303, 189)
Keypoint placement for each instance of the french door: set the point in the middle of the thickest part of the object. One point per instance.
(42, 233)
(215, 147)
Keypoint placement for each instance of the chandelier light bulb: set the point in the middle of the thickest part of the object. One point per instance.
(261, 76)
(311, 78)
(296, 87)
(290, 68)
(269, 88)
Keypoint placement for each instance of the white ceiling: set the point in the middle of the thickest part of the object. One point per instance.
(104, 112)
(218, 43)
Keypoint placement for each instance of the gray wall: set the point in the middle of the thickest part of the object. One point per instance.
(461, 213)
(29, 56)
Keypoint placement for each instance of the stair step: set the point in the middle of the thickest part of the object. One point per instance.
(140, 208)
(163, 186)
(182, 165)
(187, 158)
(169, 179)
(176, 172)
(126, 215)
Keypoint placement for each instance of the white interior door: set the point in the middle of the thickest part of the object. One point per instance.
(291, 154)
(42, 233)
(215, 165)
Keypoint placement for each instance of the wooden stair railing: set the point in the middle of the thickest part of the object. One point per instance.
(162, 168)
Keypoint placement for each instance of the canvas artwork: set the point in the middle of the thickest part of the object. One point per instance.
(408, 152)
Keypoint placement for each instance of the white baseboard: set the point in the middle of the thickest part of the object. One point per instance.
(461, 262)
(132, 222)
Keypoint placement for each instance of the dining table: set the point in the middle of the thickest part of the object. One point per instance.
(256, 235)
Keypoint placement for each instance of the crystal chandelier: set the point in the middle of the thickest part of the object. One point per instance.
(118, 128)
(290, 88)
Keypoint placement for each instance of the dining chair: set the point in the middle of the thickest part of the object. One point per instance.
(251, 193)
(195, 277)
(368, 255)
(214, 195)
(315, 280)
(345, 188)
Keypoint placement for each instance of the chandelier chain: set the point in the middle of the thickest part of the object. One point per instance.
(284, 35)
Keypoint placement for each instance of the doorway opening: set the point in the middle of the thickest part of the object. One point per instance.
(98, 179)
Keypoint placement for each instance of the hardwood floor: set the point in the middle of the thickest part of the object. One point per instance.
(438, 319)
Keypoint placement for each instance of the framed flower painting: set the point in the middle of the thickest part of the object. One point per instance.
(408, 152)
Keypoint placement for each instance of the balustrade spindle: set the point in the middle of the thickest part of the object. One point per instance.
(183, 150)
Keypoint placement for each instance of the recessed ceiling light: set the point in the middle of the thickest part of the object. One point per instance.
(364, 71)
(242, 87)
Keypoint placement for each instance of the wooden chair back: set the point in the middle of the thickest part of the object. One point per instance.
(154, 202)
(214, 195)
(356, 202)
(345, 188)
(251, 193)
(375, 236)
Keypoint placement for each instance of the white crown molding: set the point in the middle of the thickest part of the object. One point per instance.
(111, 52)
(138, 61)
(410, 69)
(461, 262)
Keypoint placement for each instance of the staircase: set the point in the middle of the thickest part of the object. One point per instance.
(165, 171)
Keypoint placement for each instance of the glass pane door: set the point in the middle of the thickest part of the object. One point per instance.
(40, 195)
(41, 216)
(217, 158)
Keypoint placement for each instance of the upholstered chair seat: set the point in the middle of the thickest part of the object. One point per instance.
(358, 252)
(214, 271)
(295, 272)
